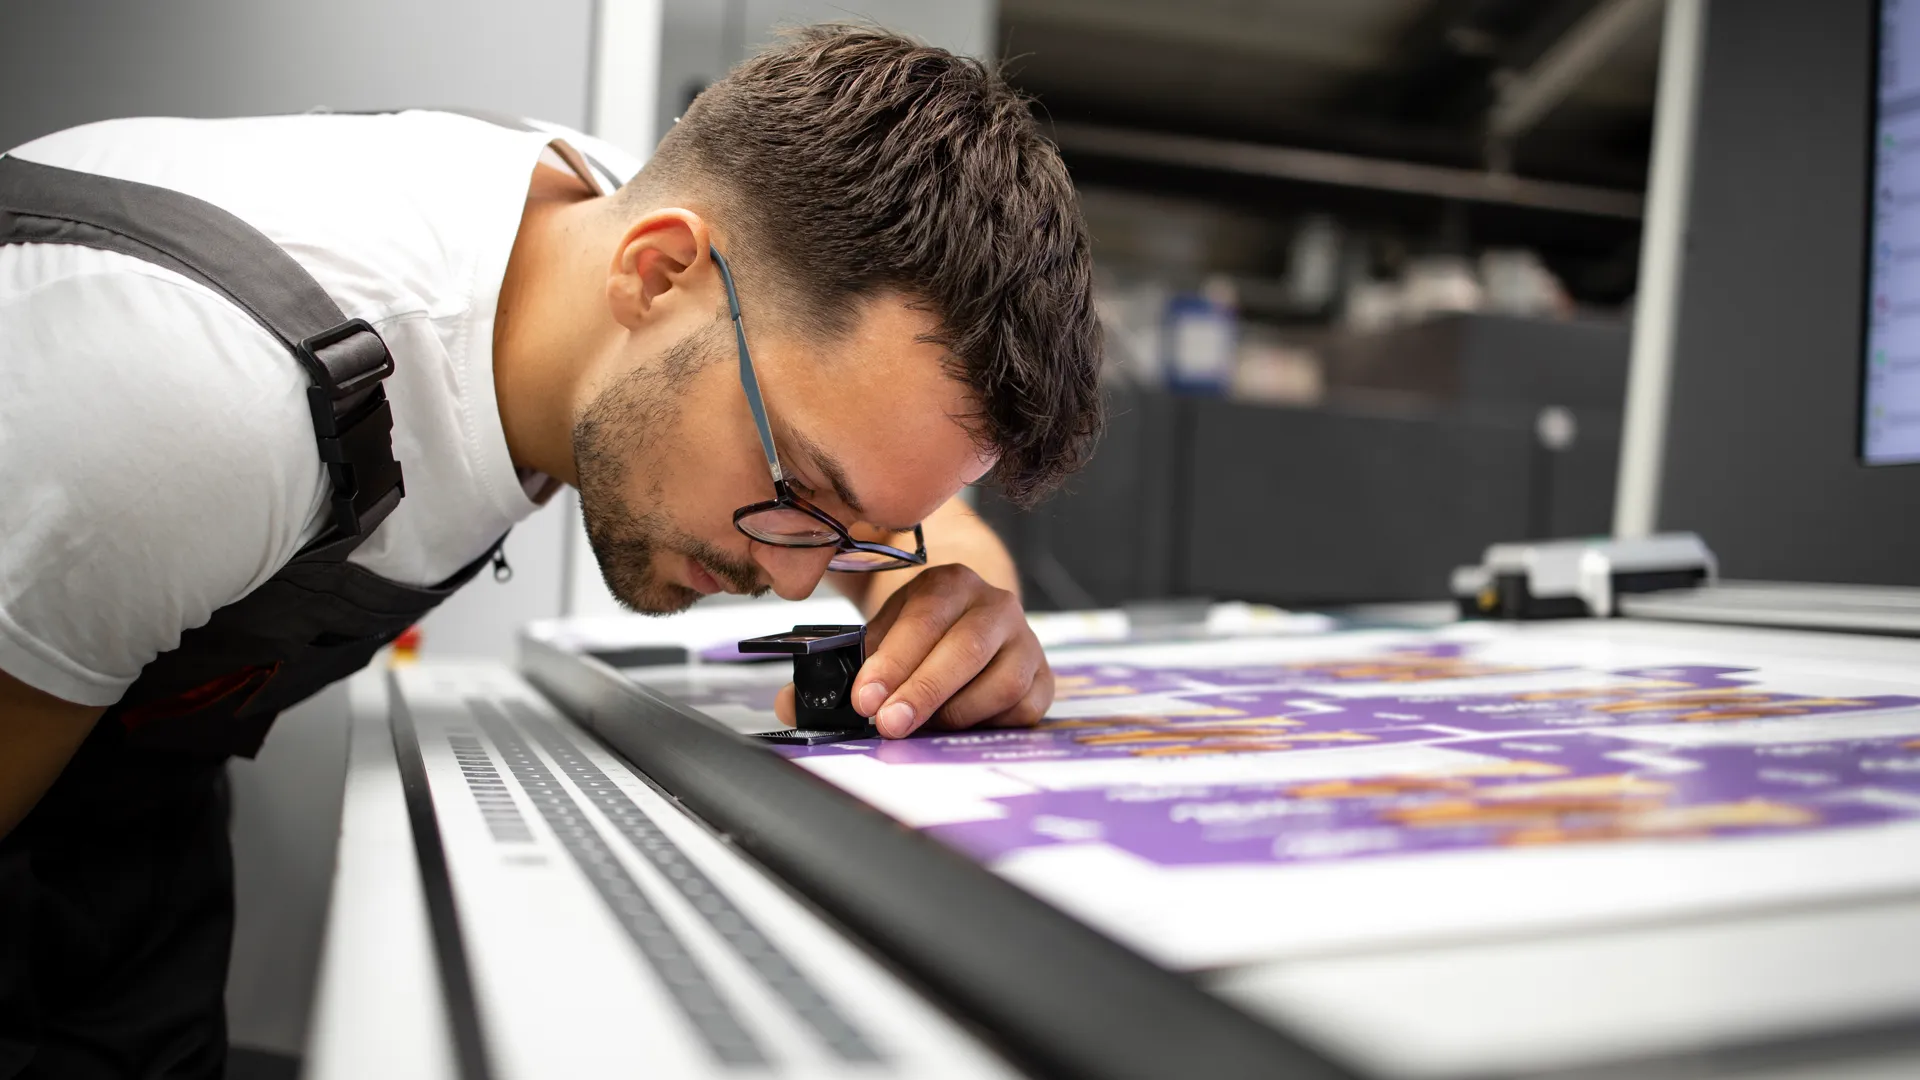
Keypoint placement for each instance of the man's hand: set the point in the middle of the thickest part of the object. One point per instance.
(949, 649)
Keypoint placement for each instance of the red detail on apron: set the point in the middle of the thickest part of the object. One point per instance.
(246, 682)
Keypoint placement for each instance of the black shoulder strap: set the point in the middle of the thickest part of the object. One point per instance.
(352, 420)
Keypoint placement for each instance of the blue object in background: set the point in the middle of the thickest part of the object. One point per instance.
(1202, 332)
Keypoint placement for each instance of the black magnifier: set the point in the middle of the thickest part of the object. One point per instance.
(825, 661)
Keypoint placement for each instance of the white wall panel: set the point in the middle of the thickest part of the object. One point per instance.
(68, 62)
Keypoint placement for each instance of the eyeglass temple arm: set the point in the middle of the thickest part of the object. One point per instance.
(747, 378)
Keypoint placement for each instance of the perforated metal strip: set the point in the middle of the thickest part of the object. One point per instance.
(760, 953)
(489, 791)
(687, 983)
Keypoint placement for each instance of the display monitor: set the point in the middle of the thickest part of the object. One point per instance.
(1890, 398)
(1765, 454)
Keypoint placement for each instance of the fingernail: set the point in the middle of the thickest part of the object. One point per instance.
(895, 720)
(869, 698)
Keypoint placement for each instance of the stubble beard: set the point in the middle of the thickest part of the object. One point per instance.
(625, 424)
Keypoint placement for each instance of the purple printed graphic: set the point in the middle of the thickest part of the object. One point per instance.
(1689, 695)
(1641, 696)
(1210, 724)
(1554, 789)
(1074, 682)
(1270, 721)
(1403, 666)
(1551, 763)
(1122, 738)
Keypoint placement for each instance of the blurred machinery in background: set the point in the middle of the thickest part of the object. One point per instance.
(1366, 272)
(1434, 441)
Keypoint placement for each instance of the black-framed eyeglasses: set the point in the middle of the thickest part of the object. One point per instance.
(787, 520)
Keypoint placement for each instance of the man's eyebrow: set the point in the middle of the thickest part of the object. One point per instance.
(836, 478)
(829, 467)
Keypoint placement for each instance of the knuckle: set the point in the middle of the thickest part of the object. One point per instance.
(884, 668)
(1040, 701)
(951, 579)
(1032, 707)
(1002, 694)
(929, 623)
(974, 650)
(923, 692)
(954, 718)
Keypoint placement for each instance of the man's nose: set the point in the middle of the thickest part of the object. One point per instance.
(793, 572)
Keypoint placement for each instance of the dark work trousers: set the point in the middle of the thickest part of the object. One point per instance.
(116, 919)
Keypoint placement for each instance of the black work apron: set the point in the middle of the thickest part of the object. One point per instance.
(116, 891)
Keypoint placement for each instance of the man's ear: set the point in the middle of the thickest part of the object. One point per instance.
(655, 264)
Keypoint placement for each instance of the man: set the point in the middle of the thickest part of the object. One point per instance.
(852, 280)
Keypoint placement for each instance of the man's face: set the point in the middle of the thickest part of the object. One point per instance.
(868, 429)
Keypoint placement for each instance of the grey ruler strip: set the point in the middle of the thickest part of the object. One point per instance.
(490, 794)
(686, 982)
(753, 946)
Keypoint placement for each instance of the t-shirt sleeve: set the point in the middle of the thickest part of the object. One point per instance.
(156, 463)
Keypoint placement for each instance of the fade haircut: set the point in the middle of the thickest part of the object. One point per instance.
(848, 161)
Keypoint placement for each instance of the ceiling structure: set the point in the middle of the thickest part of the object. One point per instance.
(1385, 113)
(1409, 80)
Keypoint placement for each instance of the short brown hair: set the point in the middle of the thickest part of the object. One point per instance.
(853, 161)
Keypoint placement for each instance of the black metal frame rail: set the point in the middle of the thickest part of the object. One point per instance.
(443, 911)
(1061, 998)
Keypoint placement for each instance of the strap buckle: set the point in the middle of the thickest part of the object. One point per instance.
(346, 359)
(353, 423)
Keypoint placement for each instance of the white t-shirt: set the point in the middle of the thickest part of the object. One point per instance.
(157, 459)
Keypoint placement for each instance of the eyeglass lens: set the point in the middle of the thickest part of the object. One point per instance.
(866, 560)
(787, 527)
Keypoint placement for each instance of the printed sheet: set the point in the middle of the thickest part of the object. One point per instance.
(1218, 803)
